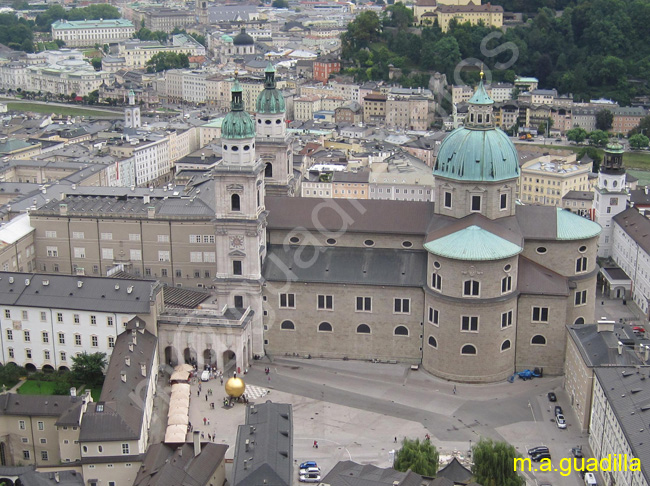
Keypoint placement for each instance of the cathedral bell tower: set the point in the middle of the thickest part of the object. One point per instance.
(132, 113)
(273, 143)
(202, 12)
(240, 218)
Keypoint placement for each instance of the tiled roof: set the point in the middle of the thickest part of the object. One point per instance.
(636, 226)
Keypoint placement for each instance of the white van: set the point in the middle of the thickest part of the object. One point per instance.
(590, 479)
(205, 376)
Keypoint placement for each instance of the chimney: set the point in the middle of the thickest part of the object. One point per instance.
(197, 443)
(147, 199)
(123, 376)
(127, 360)
(605, 326)
(135, 339)
(248, 442)
(63, 209)
(73, 391)
(131, 347)
(252, 430)
(151, 211)
(143, 369)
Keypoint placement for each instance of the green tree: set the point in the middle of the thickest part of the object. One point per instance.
(419, 457)
(397, 15)
(97, 63)
(280, 4)
(593, 154)
(494, 464)
(639, 141)
(598, 138)
(361, 33)
(167, 60)
(642, 127)
(604, 119)
(20, 5)
(576, 134)
(89, 368)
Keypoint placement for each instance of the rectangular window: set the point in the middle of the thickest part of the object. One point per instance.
(26, 455)
(10, 335)
(25, 315)
(43, 316)
(196, 256)
(581, 265)
(504, 201)
(195, 238)
(28, 353)
(44, 456)
(469, 324)
(93, 320)
(61, 338)
(364, 304)
(436, 281)
(506, 319)
(76, 319)
(471, 288)
(163, 256)
(287, 301)
(7, 314)
(40, 425)
(125, 448)
(325, 302)
(476, 203)
(236, 267)
(27, 336)
(208, 238)
(45, 337)
(50, 234)
(93, 341)
(209, 257)
(506, 284)
(540, 314)
(111, 342)
(109, 321)
(433, 316)
(106, 236)
(80, 253)
(134, 236)
(77, 339)
(402, 306)
(163, 272)
(107, 253)
(63, 356)
(21, 424)
(77, 235)
(581, 297)
(136, 255)
(448, 200)
(163, 238)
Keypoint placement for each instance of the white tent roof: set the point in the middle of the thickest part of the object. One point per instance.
(176, 433)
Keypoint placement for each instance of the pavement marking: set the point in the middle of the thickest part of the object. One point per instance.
(531, 411)
(254, 392)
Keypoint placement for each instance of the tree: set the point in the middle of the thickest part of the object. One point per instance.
(576, 134)
(89, 368)
(97, 63)
(604, 119)
(494, 464)
(167, 60)
(598, 138)
(639, 141)
(419, 457)
(280, 4)
(397, 15)
(643, 127)
(593, 154)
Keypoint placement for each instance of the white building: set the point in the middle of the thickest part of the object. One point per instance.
(48, 319)
(137, 53)
(86, 33)
(618, 428)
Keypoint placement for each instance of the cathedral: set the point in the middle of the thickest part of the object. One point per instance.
(472, 287)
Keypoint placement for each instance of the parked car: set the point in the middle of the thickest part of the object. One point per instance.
(310, 478)
(540, 456)
(310, 470)
(590, 479)
(307, 464)
(558, 410)
(638, 329)
(552, 397)
(559, 420)
(577, 452)
(205, 375)
(537, 450)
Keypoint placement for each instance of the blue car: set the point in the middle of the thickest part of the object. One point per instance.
(308, 464)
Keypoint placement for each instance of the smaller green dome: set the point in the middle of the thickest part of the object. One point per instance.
(481, 97)
(270, 100)
(238, 123)
(226, 38)
(614, 147)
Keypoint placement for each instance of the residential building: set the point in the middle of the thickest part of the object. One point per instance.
(619, 401)
(488, 14)
(546, 179)
(627, 118)
(401, 177)
(351, 113)
(168, 19)
(86, 33)
(579, 202)
(408, 113)
(526, 83)
(151, 158)
(350, 185)
(305, 107)
(341, 473)
(17, 251)
(324, 67)
(137, 53)
(374, 108)
(48, 319)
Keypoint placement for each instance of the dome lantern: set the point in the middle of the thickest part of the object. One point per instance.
(270, 100)
(237, 124)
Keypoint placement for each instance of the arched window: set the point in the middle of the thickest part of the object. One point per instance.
(471, 288)
(505, 345)
(363, 329)
(235, 202)
(579, 320)
(268, 170)
(539, 340)
(287, 326)
(325, 327)
(432, 342)
(401, 331)
(581, 265)
(469, 349)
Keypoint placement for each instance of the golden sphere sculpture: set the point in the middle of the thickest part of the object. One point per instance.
(235, 387)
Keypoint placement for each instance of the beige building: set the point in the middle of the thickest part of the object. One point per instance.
(547, 179)
(408, 113)
(17, 245)
(86, 33)
(304, 107)
(374, 108)
(488, 14)
(167, 19)
(137, 53)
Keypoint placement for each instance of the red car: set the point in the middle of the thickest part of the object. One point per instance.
(638, 329)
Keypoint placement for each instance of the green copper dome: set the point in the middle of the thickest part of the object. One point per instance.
(237, 124)
(478, 151)
(270, 100)
(614, 147)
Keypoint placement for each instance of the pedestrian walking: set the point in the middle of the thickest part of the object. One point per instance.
(198, 393)
(206, 397)
(395, 440)
(205, 420)
(454, 389)
(221, 378)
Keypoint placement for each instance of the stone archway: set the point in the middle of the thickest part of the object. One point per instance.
(229, 362)
(64, 368)
(170, 356)
(30, 367)
(209, 357)
(47, 369)
(190, 356)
